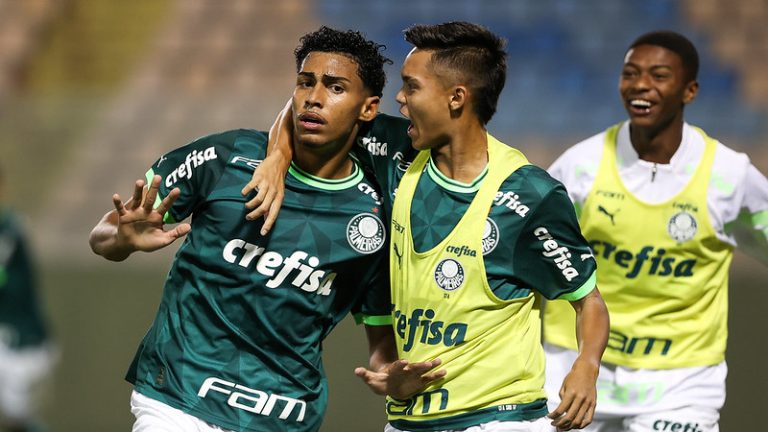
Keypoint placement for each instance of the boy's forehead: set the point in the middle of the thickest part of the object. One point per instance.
(417, 59)
(329, 63)
(654, 54)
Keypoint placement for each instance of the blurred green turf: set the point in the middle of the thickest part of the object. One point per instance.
(100, 312)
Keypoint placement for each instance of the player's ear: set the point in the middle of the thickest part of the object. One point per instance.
(691, 90)
(370, 108)
(458, 99)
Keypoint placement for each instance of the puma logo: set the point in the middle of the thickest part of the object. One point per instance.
(602, 210)
(399, 255)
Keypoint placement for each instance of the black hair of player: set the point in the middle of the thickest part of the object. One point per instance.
(472, 52)
(676, 43)
(352, 44)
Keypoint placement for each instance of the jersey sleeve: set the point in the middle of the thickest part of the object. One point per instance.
(375, 305)
(577, 168)
(751, 226)
(558, 260)
(388, 146)
(194, 169)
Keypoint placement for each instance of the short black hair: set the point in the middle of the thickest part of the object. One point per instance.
(471, 50)
(676, 43)
(367, 54)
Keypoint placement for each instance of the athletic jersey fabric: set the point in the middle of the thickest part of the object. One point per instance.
(488, 247)
(21, 322)
(237, 340)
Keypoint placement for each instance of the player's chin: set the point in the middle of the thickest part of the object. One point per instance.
(311, 139)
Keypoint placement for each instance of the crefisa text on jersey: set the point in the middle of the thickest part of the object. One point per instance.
(193, 160)
(559, 254)
(305, 274)
(433, 332)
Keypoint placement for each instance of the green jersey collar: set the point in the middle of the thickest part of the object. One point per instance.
(452, 185)
(327, 184)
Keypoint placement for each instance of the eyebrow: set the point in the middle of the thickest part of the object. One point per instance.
(655, 66)
(326, 77)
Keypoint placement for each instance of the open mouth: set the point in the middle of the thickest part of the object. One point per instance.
(640, 106)
(310, 120)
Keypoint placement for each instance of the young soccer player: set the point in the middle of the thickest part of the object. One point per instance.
(662, 205)
(236, 344)
(477, 234)
(27, 355)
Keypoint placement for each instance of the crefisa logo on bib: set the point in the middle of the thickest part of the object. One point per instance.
(682, 226)
(449, 274)
(490, 236)
(365, 233)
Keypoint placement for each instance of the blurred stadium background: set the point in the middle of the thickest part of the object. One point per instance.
(92, 91)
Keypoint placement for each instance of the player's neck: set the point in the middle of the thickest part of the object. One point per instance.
(657, 145)
(465, 155)
(330, 161)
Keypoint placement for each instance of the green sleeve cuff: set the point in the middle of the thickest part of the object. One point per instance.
(378, 320)
(167, 218)
(583, 290)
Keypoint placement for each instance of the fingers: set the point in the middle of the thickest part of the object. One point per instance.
(181, 230)
(250, 186)
(168, 201)
(274, 209)
(118, 203)
(573, 412)
(262, 193)
(365, 374)
(138, 193)
(423, 367)
(584, 416)
(428, 378)
(149, 199)
(559, 415)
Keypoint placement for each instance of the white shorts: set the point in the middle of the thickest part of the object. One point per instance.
(645, 399)
(155, 416)
(23, 374)
(539, 425)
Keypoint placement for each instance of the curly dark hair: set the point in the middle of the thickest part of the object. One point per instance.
(471, 51)
(350, 43)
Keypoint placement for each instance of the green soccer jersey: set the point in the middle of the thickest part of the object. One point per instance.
(531, 244)
(237, 340)
(21, 321)
(529, 198)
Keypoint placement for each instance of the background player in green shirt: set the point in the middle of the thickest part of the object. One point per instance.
(27, 355)
(476, 231)
(236, 343)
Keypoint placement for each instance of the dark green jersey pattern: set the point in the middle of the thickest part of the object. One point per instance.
(529, 199)
(21, 321)
(237, 338)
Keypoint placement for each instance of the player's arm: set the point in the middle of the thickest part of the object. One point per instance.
(136, 225)
(751, 226)
(386, 374)
(552, 233)
(578, 392)
(268, 179)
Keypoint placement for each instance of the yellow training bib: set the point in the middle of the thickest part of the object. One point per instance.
(660, 268)
(443, 307)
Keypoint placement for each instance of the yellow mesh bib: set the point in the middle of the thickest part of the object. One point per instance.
(443, 307)
(661, 269)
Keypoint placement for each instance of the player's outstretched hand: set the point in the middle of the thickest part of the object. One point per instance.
(140, 226)
(578, 397)
(401, 379)
(268, 181)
